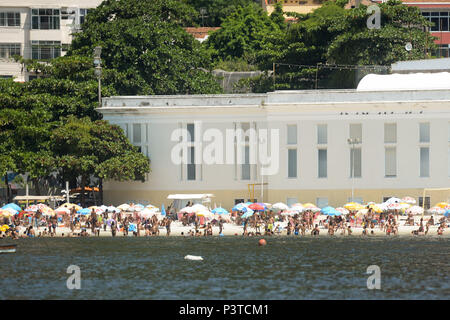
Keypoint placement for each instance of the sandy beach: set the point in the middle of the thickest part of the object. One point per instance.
(229, 229)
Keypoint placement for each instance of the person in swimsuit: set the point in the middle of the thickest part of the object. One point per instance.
(315, 231)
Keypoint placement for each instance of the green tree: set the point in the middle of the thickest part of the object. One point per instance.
(246, 33)
(145, 49)
(85, 148)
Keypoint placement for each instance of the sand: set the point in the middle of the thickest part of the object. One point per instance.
(177, 229)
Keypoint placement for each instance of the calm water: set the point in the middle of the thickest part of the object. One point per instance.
(233, 268)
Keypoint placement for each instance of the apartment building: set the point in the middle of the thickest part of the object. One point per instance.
(37, 29)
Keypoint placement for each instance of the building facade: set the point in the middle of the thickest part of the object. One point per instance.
(37, 29)
(400, 145)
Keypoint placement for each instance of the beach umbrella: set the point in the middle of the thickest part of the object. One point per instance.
(375, 207)
(353, 206)
(268, 205)
(204, 213)
(219, 210)
(13, 206)
(330, 211)
(415, 210)
(397, 206)
(257, 206)
(442, 205)
(239, 206)
(124, 207)
(188, 210)
(113, 209)
(393, 200)
(297, 204)
(280, 206)
(62, 210)
(4, 227)
(436, 210)
(32, 208)
(447, 213)
(342, 210)
(163, 210)
(199, 207)
(84, 211)
(11, 210)
(70, 206)
(147, 213)
(289, 213)
(409, 200)
(298, 208)
(247, 214)
(6, 213)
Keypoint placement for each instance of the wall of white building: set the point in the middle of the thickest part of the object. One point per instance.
(338, 110)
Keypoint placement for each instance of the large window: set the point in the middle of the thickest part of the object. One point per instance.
(292, 134)
(427, 203)
(7, 50)
(45, 19)
(44, 50)
(390, 133)
(356, 131)
(322, 134)
(9, 19)
(424, 132)
(425, 162)
(439, 20)
(390, 162)
(322, 163)
(355, 162)
(292, 163)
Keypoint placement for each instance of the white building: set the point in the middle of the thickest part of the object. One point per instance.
(37, 29)
(403, 145)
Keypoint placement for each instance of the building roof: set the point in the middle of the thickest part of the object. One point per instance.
(201, 33)
(424, 65)
(410, 81)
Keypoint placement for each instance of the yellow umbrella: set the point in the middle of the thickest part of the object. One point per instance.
(4, 227)
(375, 208)
(353, 206)
(309, 205)
(441, 205)
(70, 205)
(204, 213)
(5, 213)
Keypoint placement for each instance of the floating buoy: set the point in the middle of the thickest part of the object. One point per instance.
(262, 242)
(189, 257)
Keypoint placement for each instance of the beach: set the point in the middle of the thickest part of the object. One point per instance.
(231, 229)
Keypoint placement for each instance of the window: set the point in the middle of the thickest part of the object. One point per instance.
(292, 134)
(191, 164)
(8, 50)
(245, 173)
(424, 132)
(390, 133)
(356, 199)
(390, 162)
(355, 162)
(322, 163)
(427, 202)
(322, 202)
(322, 134)
(291, 201)
(292, 163)
(5, 76)
(136, 133)
(356, 131)
(425, 162)
(9, 19)
(191, 132)
(83, 13)
(45, 19)
(440, 20)
(45, 50)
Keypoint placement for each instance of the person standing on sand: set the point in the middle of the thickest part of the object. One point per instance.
(113, 228)
(315, 231)
(220, 225)
(168, 222)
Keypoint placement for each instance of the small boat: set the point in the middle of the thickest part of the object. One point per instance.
(8, 248)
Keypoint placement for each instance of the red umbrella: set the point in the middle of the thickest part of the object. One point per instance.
(257, 207)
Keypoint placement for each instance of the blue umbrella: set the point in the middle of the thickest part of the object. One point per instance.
(12, 206)
(84, 211)
(219, 210)
(249, 213)
(163, 210)
(238, 207)
(447, 213)
(330, 211)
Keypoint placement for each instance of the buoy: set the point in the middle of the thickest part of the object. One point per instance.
(262, 242)
(189, 257)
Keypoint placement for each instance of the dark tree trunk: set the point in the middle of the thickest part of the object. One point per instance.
(37, 190)
(83, 183)
(101, 191)
(8, 193)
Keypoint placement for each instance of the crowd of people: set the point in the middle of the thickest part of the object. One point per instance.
(267, 222)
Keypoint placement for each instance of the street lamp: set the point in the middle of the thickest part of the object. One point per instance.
(98, 72)
(352, 143)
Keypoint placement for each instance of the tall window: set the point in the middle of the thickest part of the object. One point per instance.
(424, 132)
(292, 150)
(9, 19)
(355, 162)
(45, 19)
(8, 50)
(356, 131)
(322, 163)
(45, 50)
(390, 162)
(427, 202)
(191, 172)
(321, 202)
(322, 134)
(136, 133)
(390, 133)
(424, 161)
